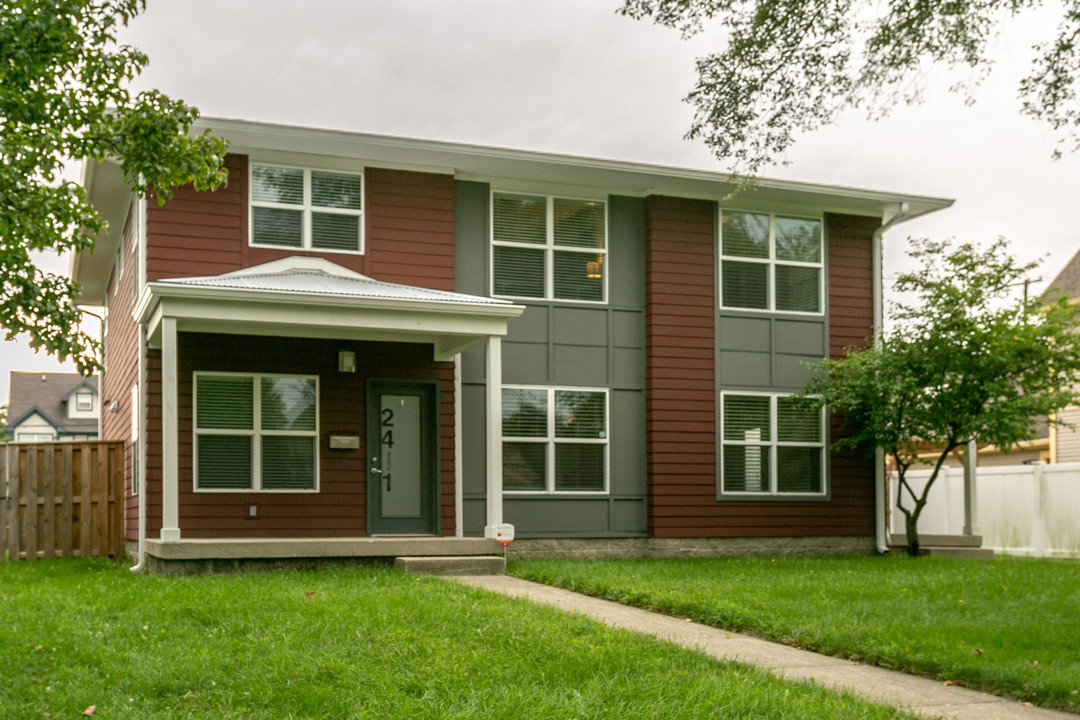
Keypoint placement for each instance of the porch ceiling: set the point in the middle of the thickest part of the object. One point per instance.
(314, 298)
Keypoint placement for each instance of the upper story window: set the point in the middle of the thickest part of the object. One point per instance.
(307, 209)
(549, 248)
(84, 401)
(770, 262)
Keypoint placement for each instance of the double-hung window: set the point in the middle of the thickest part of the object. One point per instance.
(307, 209)
(256, 432)
(770, 262)
(84, 402)
(549, 248)
(554, 440)
(772, 445)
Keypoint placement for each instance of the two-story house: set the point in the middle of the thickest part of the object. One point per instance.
(370, 337)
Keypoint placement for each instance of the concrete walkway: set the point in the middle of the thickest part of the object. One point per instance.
(917, 695)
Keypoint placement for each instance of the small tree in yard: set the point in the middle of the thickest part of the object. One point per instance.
(965, 359)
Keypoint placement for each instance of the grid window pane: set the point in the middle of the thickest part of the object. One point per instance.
(579, 276)
(797, 288)
(798, 469)
(275, 226)
(224, 402)
(288, 462)
(745, 234)
(797, 420)
(746, 418)
(336, 190)
(745, 285)
(798, 239)
(524, 465)
(520, 218)
(335, 232)
(579, 223)
(277, 185)
(288, 404)
(579, 414)
(224, 462)
(746, 468)
(518, 272)
(579, 467)
(524, 412)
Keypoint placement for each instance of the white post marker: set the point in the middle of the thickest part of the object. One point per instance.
(504, 535)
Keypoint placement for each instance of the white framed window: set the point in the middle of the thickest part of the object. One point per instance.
(34, 437)
(772, 444)
(84, 401)
(555, 440)
(135, 439)
(306, 209)
(771, 262)
(548, 248)
(256, 432)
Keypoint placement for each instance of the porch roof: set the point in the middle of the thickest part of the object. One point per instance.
(313, 297)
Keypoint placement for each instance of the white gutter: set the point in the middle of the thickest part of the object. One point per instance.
(138, 275)
(881, 489)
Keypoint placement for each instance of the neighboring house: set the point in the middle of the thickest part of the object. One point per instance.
(47, 407)
(367, 336)
(1063, 441)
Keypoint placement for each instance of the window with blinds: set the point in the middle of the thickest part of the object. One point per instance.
(770, 262)
(772, 445)
(256, 432)
(307, 209)
(554, 440)
(548, 247)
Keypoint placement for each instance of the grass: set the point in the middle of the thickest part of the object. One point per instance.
(1010, 626)
(352, 643)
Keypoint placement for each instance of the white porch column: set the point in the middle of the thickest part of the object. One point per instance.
(493, 501)
(971, 515)
(170, 434)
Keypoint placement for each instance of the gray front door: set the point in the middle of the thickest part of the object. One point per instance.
(402, 457)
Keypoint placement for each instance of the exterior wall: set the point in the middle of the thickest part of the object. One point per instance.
(339, 509)
(408, 230)
(1066, 439)
(121, 336)
(694, 351)
(563, 344)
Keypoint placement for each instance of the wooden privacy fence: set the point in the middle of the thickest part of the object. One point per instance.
(61, 499)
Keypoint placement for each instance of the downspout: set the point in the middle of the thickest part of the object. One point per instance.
(138, 275)
(881, 490)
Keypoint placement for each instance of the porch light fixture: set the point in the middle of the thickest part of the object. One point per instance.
(346, 361)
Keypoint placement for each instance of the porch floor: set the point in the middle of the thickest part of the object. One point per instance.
(313, 548)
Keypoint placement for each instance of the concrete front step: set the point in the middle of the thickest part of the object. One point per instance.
(459, 565)
(941, 541)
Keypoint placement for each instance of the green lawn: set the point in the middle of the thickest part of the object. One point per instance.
(349, 643)
(1010, 626)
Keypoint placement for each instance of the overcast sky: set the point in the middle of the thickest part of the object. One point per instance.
(571, 76)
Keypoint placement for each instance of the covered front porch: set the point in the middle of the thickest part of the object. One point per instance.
(378, 361)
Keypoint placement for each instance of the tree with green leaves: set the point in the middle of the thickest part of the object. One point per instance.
(965, 359)
(65, 98)
(793, 66)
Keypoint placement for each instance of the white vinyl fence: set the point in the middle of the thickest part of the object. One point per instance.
(1021, 509)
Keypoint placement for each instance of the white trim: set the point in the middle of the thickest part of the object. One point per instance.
(307, 210)
(493, 501)
(772, 443)
(257, 433)
(170, 433)
(771, 261)
(550, 442)
(549, 248)
(459, 488)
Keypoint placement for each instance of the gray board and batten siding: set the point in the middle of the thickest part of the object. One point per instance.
(562, 344)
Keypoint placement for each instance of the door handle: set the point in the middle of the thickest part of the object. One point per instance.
(376, 471)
